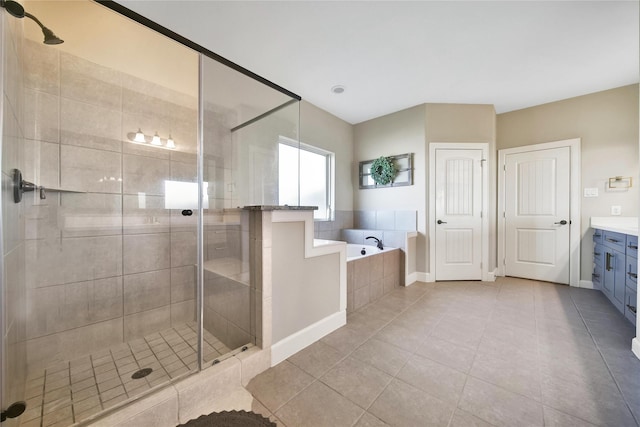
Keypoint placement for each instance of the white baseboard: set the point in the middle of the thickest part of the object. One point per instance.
(635, 347)
(491, 276)
(410, 279)
(587, 284)
(423, 277)
(294, 343)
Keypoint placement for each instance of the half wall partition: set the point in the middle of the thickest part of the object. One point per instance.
(130, 265)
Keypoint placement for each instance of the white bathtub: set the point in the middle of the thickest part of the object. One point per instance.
(354, 251)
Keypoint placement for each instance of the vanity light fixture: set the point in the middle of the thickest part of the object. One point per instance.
(140, 138)
(156, 140)
(170, 142)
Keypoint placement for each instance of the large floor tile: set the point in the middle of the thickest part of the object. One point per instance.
(499, 406)
(554, 418)
(382, 355)
(513, 374)
(275, 386)
(319, 406)
(464, 419)
(344, 339)
(434, 378)
(317, 359)
(406, 339)
(356, 380)
(403, 405)
(368, 420)
(445, 352)
(593, 402)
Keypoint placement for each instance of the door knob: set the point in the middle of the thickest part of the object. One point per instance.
(563, 222)
(440, 221)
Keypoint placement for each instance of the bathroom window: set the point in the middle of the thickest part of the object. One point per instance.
(314, 178)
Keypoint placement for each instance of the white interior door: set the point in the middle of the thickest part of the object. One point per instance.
(458, 214)
(537, 214)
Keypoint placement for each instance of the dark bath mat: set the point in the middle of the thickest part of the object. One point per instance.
(230, 419)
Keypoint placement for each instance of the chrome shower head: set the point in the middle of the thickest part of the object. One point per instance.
(15, 9)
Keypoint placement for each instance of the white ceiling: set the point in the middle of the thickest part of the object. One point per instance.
(393, 55)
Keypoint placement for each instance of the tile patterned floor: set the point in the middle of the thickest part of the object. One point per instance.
(510, 353)
(73, 391)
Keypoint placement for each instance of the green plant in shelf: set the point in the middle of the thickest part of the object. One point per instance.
(383, 170)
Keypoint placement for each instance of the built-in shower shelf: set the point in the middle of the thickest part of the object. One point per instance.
(231, 268)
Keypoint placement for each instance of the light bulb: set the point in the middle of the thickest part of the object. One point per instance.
(156, 140)
(139, 136)
(170, 142)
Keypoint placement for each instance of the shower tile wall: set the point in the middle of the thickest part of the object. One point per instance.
(110, 264)
(330, 230)
(13, 292)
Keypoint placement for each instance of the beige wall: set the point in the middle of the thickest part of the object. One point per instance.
(607, 123)
(412, 130)
(397, 133)
(305, 290)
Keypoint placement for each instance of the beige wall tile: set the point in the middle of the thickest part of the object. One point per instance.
(140, 324)
(12, 142)
(12, 217)
(84, 169)
(144, 214)
(42, 67)
(183, 283)
(42, 114)
(59, 308)
(144, 175)
(146, 252)
(362, 272)
(183, 312)
(63, 346)
(361, 297)
(42, 163)
(145, 291)
(237, 337)
(90, 126)
(88, 82)
(215, 324)
(184, 248)
(73, 260)
(90, 214)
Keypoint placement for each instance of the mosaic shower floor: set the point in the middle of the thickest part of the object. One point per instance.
(73, 391)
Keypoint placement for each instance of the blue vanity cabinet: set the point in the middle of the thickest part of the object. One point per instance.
(598, 259)
(631, 297)
(615, 269)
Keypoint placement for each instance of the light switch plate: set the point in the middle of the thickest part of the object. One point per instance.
(616, 210)
(591, 192)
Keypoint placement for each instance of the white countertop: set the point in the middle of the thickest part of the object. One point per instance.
(619, 224)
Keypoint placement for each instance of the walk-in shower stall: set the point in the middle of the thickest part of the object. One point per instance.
(127, 159)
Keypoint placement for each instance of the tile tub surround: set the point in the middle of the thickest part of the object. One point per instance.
(330, 230)
(73, 391)
(510, 352)
(371, 277)
(385, 220)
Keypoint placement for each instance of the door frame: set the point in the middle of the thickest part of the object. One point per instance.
(484, 146)
(574, 202)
